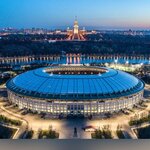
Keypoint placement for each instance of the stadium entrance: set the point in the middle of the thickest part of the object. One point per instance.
(75, 109)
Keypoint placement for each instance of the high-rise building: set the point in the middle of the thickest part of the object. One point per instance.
(76, 33)
(76, 27)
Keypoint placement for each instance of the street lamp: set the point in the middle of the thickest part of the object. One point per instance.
(116, 61)
(127, 63)
(141, 64)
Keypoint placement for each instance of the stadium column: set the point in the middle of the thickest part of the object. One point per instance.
(97, 108)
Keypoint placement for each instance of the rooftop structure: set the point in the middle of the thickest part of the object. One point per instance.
(77, 89)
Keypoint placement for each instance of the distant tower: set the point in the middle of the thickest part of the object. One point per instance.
(76, 34)
(76, 27)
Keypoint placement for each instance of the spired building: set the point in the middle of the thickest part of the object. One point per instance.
(76, 34)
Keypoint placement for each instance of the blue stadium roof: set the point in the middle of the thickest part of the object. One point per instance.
(40, 84)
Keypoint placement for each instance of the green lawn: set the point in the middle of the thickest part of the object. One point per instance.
(144, 133)
(6, 133)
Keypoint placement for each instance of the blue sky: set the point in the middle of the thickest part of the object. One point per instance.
(108, 14)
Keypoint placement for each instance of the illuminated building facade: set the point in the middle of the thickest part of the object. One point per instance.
(76, 34)
(75, 90)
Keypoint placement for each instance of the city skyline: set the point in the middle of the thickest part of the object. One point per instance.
(61, 14)
(74, 69)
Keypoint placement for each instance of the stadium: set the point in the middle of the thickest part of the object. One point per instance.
(75, 90)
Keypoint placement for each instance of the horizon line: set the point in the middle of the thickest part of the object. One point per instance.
(87, 28)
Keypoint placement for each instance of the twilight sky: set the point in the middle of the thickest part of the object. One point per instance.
(97, 14)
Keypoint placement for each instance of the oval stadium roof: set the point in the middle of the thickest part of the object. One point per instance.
(40, 84)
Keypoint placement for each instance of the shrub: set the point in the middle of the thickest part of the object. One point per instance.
(9, 121)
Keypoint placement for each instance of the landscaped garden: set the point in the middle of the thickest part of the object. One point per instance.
(143, 133)
(119, 133)
(138, 121)
(48, 134)
(6, 133)
(9, 121)
(104, 133)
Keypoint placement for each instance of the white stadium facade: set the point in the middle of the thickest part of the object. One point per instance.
(75, 90)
